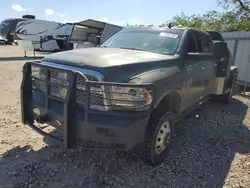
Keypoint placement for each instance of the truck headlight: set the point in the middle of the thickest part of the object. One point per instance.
(130, 98)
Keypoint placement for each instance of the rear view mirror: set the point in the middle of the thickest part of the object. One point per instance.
(220, 49)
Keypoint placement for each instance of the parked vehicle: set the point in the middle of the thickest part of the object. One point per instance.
(85, 33)
(32, 34)
(42, 35)
(130, 91)
(7, 29)
(3, 42)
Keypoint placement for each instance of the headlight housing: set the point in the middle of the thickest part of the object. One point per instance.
(128, 98)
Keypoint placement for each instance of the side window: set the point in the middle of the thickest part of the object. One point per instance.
(206, 43)
(192, 45)
(209, 43)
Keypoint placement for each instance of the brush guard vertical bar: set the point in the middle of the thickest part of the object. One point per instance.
(69, 112)
(26, 95)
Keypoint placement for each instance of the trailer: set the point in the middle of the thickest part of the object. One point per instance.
(90, 33)
(42, 35)
(239, 45)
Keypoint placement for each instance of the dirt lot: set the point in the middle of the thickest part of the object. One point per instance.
(211, 150)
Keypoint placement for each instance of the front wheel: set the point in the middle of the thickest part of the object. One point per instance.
(157, 138)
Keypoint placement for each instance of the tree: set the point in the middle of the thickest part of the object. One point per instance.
(193, 21)
(238, 5)
(214, 21)
(236, 17)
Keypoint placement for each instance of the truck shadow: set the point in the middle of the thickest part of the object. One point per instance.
(244, 96)
(4, 59)
(201, 156)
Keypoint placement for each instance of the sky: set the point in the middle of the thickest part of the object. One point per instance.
(113, 11)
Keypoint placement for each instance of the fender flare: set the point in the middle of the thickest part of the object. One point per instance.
(159, 99)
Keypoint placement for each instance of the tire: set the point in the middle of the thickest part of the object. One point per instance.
(226, 98)
(158, 138)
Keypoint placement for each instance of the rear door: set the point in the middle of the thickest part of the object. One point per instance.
(192, 81)
(207, 63)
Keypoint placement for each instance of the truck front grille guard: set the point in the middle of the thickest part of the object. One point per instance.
(73, 89)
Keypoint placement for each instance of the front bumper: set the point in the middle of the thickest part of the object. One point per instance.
(78, 124)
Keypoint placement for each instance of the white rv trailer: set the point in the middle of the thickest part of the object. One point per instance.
(90, 33)
(42, 35)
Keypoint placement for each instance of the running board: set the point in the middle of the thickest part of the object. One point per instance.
(191, 109)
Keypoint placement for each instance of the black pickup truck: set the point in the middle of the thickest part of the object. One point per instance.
(129, 91)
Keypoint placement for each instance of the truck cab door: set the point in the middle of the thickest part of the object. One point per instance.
(192, 78)
(207, 63)
(207, 69)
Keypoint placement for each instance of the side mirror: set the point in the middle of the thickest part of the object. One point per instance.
(220, 49)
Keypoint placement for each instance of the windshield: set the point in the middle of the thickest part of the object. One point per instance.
(157, 41)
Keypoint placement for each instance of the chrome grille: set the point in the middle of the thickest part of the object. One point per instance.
(59, 91)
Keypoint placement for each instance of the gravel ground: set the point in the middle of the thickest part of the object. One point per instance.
(211, 150)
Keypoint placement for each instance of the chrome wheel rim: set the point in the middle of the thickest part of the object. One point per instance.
(162, 138)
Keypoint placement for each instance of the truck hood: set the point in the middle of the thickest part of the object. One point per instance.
(113, 63)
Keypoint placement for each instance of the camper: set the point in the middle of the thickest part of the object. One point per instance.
(90, 33)
(42, 35)
(32, 34)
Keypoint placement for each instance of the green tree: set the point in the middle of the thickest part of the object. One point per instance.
(215, 21)
(193, 21)
(238, 5)
(236, 17)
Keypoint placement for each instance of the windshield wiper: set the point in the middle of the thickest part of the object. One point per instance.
(132, 48)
